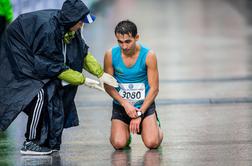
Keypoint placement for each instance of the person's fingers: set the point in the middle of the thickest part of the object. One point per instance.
(138, 128)
(134, 115)
(134, 129)
(130, 114)
(131, 128)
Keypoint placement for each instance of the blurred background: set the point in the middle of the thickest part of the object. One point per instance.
(204, 57)
(23, 6)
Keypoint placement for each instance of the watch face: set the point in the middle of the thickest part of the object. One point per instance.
(139, 113)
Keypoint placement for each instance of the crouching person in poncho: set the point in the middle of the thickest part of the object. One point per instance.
(41, 61)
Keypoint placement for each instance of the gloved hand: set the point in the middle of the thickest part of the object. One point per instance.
(108, 79)
(72, 77)
(93, 84)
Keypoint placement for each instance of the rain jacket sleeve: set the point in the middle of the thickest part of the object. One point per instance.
(91, 65)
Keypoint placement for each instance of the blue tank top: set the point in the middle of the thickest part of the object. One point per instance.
(133, 80)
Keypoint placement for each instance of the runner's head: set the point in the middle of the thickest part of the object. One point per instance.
(126, 27)
(127, 36)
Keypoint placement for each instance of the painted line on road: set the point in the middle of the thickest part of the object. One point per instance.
(204, 101)
(185, 101)
(207, 80)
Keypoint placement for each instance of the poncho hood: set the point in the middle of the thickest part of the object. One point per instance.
(71, 12)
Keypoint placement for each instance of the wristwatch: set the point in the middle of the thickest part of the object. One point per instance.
(139, 114)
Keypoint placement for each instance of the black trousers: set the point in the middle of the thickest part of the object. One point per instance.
(3, 25)
(35, 111)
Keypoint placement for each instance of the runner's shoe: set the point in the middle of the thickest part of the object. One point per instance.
(32, 148)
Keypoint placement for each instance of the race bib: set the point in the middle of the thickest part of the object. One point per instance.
(133, 92)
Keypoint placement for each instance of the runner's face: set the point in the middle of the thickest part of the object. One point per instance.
(127, 43)
(77, 26)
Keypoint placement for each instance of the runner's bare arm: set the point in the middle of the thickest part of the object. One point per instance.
(108, 68)
(152, 72)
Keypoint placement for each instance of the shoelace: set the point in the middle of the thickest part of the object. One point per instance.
(33, 146)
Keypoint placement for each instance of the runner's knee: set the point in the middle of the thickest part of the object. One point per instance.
(118, 143)
(152, 143)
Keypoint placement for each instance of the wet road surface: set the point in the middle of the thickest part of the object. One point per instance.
(205, 99)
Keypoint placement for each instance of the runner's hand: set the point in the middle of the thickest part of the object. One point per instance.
(135, 125)
(93, 84)
(130, 110)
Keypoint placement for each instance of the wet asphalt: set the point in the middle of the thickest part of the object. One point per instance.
(204, 104)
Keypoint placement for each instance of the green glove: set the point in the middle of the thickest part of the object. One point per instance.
(92, 66)
(73, 77)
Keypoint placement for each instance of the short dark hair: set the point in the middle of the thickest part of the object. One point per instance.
(126, 27)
